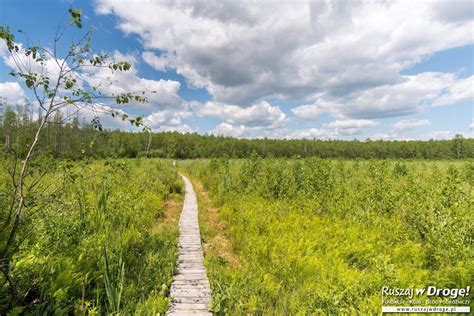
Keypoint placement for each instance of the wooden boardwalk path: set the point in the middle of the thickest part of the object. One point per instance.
(190, 290)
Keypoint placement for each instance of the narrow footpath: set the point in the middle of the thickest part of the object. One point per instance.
(190, 290)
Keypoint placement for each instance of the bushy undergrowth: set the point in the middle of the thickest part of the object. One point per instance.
(95, 246)
(317, 235)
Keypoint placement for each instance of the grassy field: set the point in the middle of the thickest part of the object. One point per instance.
(299, 236)
(281, 236)
(104, 241)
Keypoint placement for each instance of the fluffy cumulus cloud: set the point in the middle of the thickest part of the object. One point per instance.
(11, 93)
(460, 90)
(454, 11)
(168, 120)
(404, 97)
(242, 131)
(351, 126)
(312, 133)
(314, 110)
(404, 125)
(161, 94)
(23, 63)
(411, 94)
(258, 115)
(245, 53)
(257, 120)
(342, 59)
(158, 63)
(225, 129)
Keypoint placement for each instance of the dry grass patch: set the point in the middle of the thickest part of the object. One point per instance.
(171, 212)
(216, 244)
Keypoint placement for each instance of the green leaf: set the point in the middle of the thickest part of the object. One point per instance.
(75, 17)
(9, 38)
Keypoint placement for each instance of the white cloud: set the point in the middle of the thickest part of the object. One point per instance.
(307, 111)
(348, 124)
(439, 135)
(20, 62)
(258, 115)
(3, 48)
(410, 95)
(12, 93)
(404, 125)
(241, 131)
(339, 57)
(258, 120)
(457, 91)
(160, 121)
(171, 109)
(158, 63)
(168, 120)
(311, 133)
(381, 136)
(243, 53)
(102, 112)
(351, 126)
(225, 129)
(312, 111)
(454, 10)
(161, 93)
(183, 128)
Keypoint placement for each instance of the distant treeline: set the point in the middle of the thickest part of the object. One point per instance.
(77, 140)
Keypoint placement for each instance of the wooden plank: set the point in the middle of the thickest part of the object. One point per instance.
(190, 300)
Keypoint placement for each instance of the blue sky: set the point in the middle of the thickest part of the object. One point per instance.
(324, 69)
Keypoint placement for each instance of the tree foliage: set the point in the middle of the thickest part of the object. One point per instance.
(77, 138)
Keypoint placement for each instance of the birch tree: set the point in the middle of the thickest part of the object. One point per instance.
(57, 81)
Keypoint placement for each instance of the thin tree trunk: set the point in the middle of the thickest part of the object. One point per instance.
(148, 145)
(21, 180)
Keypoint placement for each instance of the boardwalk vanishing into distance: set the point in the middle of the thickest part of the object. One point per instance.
(190, 290)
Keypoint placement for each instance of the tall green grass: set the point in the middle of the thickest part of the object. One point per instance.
(324, 236)
(94, 246)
